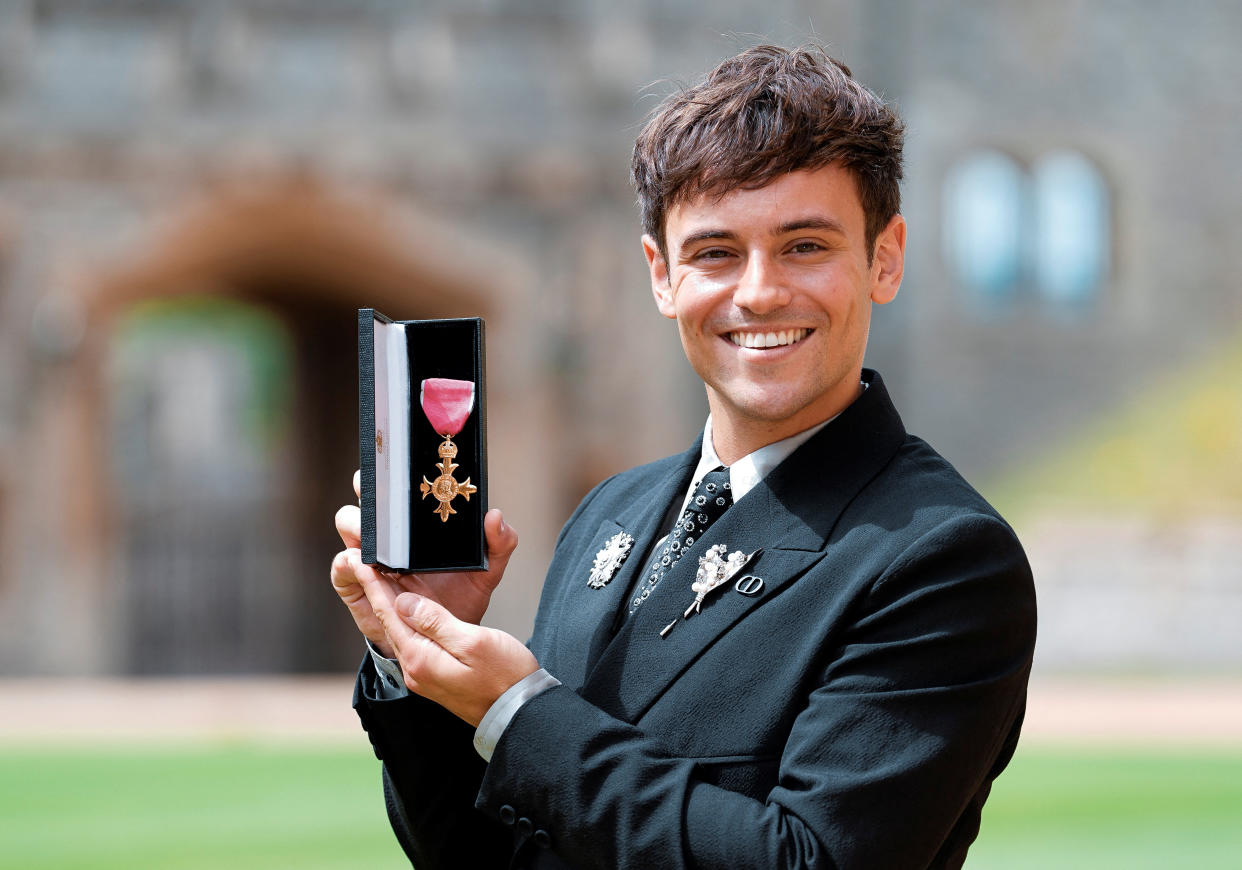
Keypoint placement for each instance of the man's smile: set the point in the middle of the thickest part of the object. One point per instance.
(779, 338)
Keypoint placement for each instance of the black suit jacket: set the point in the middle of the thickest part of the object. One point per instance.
(852, 714)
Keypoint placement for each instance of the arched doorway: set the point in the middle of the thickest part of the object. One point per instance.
(229, 406)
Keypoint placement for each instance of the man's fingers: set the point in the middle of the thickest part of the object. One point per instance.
(382, 598)
(424, 657)
(358, 483)
(379, 591)
(349, 526)
(343, 572)
(434, 622)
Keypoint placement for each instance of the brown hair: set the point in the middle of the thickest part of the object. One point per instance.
(759, 115)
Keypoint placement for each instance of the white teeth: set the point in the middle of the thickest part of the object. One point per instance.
(767, 339)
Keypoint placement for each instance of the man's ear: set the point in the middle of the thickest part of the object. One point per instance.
(888, 263)
(661, 288)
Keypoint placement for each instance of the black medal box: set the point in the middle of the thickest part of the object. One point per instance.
(405, 525)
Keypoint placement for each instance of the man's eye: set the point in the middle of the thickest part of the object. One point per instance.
(807, 247)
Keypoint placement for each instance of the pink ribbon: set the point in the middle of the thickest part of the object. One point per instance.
(447, 403)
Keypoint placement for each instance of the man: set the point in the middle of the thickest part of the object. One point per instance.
(836, 669)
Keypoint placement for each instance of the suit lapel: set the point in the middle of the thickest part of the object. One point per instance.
(588, 614)
(791, 514)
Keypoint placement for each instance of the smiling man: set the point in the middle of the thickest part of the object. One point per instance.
(772, 290)
(803, 642)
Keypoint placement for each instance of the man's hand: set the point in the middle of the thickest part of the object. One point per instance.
(461, 666)
(465, 594)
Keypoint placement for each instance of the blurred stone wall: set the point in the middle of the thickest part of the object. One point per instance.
(471, 157)
(308, 158)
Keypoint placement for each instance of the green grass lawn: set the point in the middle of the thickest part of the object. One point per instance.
(239, 807)
(235, 808)
(1123, 809)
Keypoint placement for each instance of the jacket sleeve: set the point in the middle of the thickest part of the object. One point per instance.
(887, 763)
(431, 776)
(431, 772)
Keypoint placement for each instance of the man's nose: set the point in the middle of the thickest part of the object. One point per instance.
(761, 287)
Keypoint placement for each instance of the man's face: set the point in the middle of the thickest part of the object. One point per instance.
(771, 290)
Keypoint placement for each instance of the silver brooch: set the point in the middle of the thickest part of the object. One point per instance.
(609, 559)
(715, 570)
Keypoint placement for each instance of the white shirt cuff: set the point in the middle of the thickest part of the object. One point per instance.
(391, 683)
(501, 713)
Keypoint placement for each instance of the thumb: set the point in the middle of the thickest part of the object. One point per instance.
(434, 622)
(502, 540)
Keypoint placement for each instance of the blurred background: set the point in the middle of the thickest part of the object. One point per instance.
(195, 198)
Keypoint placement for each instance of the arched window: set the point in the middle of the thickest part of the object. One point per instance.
(1042, 234)
(1071, 241)
(983, 217)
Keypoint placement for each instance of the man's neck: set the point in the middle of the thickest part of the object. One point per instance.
(734, 436)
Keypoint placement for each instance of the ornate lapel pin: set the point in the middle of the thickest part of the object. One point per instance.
(447, 404)
(716, 569)
(749, 584)
(609, 559)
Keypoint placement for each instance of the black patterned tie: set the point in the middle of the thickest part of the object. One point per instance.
(712, 497)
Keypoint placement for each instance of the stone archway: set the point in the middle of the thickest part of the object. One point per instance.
(208, 577)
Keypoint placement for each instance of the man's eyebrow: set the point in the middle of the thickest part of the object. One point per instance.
(810, 223)
(703, 235)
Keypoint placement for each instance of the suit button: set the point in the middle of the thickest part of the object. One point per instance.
(525, 826)
(508, 814)
(543, 838)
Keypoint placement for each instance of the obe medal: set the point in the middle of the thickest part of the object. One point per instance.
(447, 404)
(609, 559)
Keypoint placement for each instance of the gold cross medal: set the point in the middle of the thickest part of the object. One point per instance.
(447, 404)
